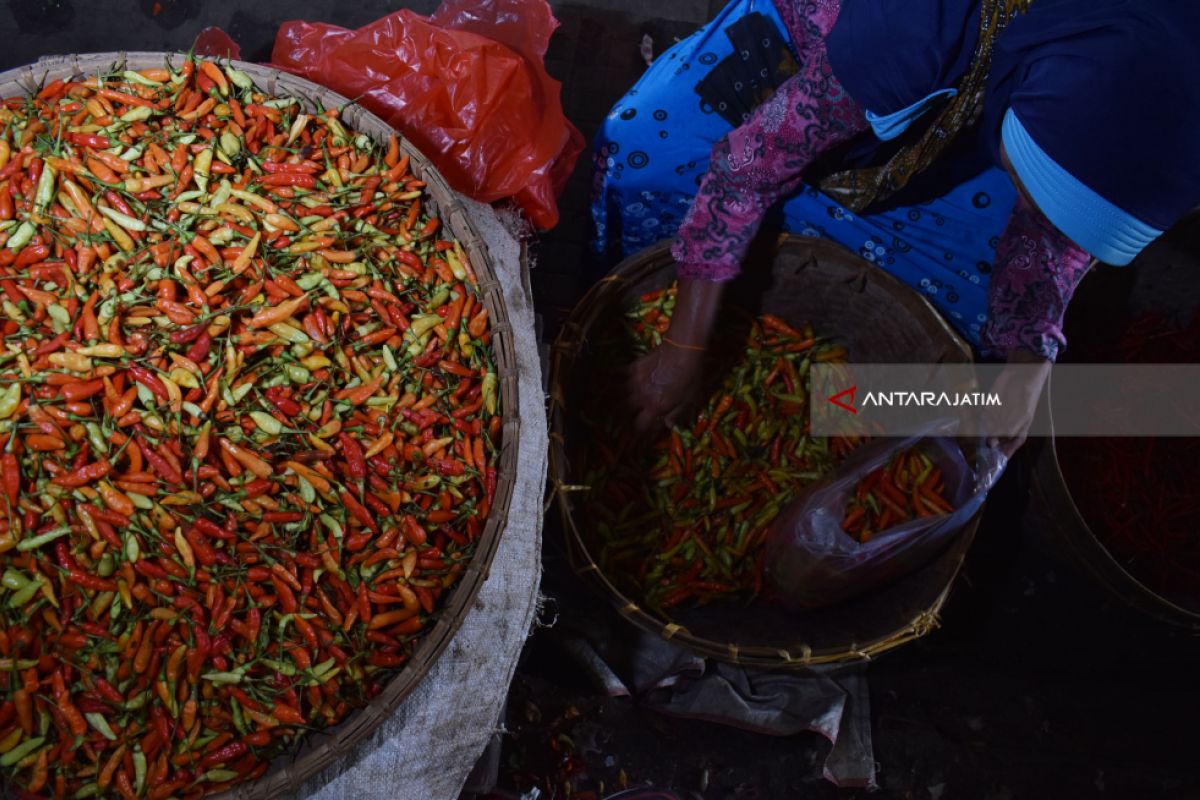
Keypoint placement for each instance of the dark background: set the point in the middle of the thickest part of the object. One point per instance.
(1038, 683)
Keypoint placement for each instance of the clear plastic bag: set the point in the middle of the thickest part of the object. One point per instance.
(810, 561)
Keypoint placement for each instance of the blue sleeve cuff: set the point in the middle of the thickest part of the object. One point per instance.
(889, 126)
(1104, 230)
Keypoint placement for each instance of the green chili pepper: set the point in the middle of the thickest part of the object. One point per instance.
(310, 281)
(139, 114)
(97, 721)
(266, 423)
(96, 438)
(133, 550)
(288, 333)
(139, 770)
(223, 677)
(20, 751)
(239, 78)
(14, 580)
(239, 719)
(284, 669)
(138, 701)
(10, 399)
(45, 188)
(136, 77)
(124, 220)
(488, 392)
(332, 524)
(22, 236)
(41, 539)
(220, 775)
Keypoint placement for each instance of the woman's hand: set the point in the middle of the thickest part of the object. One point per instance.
(662, 382)
(1022, 381)
(665, 379)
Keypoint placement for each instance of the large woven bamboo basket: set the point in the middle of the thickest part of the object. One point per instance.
(879, 320)
(1054, 514)
(1061, 522)
(321, 749)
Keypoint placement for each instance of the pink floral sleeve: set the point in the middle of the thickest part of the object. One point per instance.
(763, 160)
(1036, 271)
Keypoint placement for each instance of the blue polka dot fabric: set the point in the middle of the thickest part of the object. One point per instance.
(652, 151)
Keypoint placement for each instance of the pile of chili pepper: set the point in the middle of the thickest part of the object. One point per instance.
(908, 487)
(1139, 495)
(248, 428)
(684, 518)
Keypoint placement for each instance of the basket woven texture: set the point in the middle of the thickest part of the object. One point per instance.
(880, 320)
(286, 775)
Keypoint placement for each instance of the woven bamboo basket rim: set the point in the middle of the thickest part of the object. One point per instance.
(1075, 536)
(567, 346)
(320, 749)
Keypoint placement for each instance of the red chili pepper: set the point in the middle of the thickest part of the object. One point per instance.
(352, 451)
(150, 381)
(413, 532)
(31, 255)
(107, 691)
(490, 481)
(255, 488)
(188, 335)
(303, 167)
(199, 350)
(296, 179)
(119, 203)
(75, 392)
(159, 464)
(211, 528)
(448, 466)
(88, 140)
(84, 475)
(360, 513)
(148, 570)
(204, 553)
(11, 168)
(287, 600)
(12, 478)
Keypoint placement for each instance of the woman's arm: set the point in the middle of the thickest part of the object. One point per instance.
(1036, 271)
(760, 162)
(751, 168)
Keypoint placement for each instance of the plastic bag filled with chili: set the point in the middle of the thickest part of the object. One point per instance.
(811, 560)
(467, 85)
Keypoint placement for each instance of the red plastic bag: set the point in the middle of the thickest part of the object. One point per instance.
(811, 562)
(214, 42)
(467, 86)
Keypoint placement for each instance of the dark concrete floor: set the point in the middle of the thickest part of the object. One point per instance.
(1037, 685)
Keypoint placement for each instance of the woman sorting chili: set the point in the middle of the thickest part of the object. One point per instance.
(986, 152)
